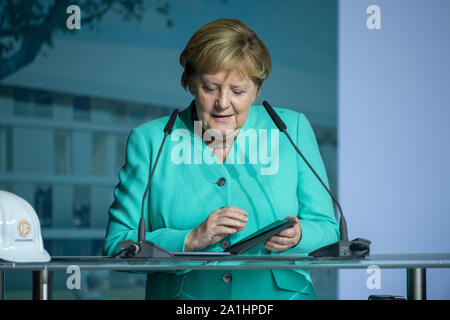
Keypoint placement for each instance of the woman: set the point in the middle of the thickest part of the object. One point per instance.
(200, 205)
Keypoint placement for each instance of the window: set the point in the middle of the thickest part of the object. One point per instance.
(5, 149)
(81, 109)
(43, 204)
(32, 103)
(63, 154)
(23, 102)
(121, 144)
(81, 206)
(99, 154)
(43, 104)
(6, 186)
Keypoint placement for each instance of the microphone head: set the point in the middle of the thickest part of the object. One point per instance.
(169, 126)
(275, 118)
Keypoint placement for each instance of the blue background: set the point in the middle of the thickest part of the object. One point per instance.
(393, 137)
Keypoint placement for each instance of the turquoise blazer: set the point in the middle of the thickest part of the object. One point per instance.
(185, 190)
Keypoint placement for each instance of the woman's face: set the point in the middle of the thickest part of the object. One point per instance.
(223, 99)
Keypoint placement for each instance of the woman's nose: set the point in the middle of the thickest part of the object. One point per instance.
(222, 102)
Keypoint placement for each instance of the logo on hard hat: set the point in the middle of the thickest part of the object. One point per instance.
(24, 228)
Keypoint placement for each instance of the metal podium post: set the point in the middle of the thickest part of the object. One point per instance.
(416, 284)
(2, 285)
(42, 285)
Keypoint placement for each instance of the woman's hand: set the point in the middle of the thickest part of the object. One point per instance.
(287, 238)
(220, 223)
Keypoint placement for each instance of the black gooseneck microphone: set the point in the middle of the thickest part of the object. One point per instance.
(357, 248)
(143, 248)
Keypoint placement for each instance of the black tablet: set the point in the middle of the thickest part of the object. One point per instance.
(259, 236)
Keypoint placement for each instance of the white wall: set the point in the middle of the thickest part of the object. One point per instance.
(394, 156)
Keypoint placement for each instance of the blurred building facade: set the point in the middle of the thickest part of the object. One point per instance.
(62, 153)
(65, 118)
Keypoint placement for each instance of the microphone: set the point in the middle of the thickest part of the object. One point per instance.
(344, 248)
(143, 248)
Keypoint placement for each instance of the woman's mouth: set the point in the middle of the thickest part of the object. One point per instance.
(222, 118)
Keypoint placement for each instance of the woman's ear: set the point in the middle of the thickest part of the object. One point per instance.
(258, 90)
(192, 86)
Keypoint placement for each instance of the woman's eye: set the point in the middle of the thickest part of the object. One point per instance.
(236, 92)
(208, 89)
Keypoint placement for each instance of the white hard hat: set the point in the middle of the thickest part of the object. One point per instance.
(20, 231)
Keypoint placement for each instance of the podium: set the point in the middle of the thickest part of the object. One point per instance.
(414, 264)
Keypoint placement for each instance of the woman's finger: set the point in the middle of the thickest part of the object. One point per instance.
(233, 214)
(228, 222)
(292, 231)
(272, 246)
(222, 231)
(235, 209)
(289, 232)
(288, 218)
(282, 240)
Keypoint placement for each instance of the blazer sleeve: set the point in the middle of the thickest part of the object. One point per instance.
(125, 212)
(316, 212)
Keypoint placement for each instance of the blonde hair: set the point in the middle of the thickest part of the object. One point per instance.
(226, 44)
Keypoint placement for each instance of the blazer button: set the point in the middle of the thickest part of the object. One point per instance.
(221, 182)
(226, 278)
(225, 244)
